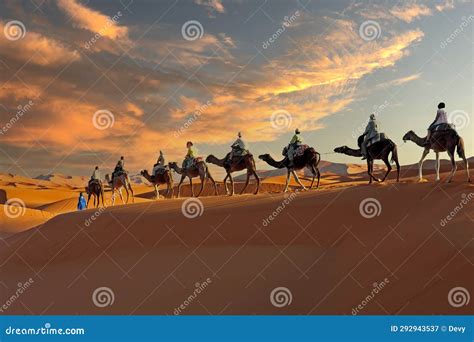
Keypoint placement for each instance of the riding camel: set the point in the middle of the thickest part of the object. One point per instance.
(162, 178)
(310, 159)
(199, 169)
(440, 141)
(237, 164)
(95, 190)
(379, 150)
(119, 182)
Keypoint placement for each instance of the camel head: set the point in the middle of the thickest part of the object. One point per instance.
(342, 149)
(144, 173)
(107, 178)
(264, 157)
(408, 136)
(209, 158)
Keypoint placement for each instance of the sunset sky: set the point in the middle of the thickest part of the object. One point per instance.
(321, 66)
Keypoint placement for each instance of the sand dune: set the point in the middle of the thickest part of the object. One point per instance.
(319, 246)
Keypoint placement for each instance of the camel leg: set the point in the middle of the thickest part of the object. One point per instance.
(453, 166)
(369, 171)
(203, 181)
(420, 164)
(191, 185)
(258, 181)
(313, 171)
(213, 182)
(389, 167)
(246, 183)
(466, 164)
(120, 193)
(131, 191)
(225, 184)
(113, 197)
(437, 166)
(88, 199)
(232, 185)
(157, 191)
(298, 180)
(179, 185)
(319, 177)
(287, 180)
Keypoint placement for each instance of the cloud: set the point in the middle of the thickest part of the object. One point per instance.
(215, 5)
(36, 48)
(91, 20)
(446, 5)
(410, 12)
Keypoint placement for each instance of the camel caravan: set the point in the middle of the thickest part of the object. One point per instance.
(372, 145)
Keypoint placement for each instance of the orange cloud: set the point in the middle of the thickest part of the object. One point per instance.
(410, 12)
(92, 20)
(37, 49)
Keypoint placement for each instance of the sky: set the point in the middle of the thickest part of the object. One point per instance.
(85, 82)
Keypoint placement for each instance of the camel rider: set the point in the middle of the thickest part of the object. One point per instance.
(95, 175)
(190, 156)
(160, 165)
(370, 132)
(238, 148)
(441, 118)
(294, 143)
(119, 168)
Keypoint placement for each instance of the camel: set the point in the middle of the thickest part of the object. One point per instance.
(161, 178)
(96, 190)
(310, 159)
(379, 150)
(441, 141)
(199, 169)
(237, 164)
(119, 182)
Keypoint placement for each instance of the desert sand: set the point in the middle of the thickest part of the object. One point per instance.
(319, 246)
